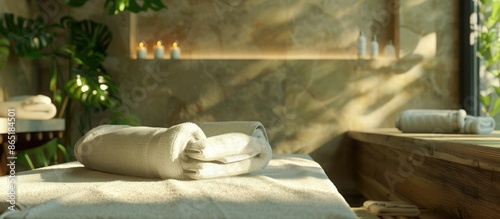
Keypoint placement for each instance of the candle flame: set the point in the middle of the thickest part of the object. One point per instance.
(174, 44)
(141, 44)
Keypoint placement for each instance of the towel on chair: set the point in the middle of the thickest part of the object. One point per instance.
(161, 152)
(37, 107)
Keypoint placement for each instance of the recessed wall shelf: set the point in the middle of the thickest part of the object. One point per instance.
(297, 29)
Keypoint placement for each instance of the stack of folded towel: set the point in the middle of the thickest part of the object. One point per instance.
(443, 121)
(393, 208)
(184, 151)
(37, 107)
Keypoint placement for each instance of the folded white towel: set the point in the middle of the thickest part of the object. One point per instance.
(161, 152)
(478, 125)
(252, 128)
(37, 107)
(226, 154)
(394, 208)
(431, 121)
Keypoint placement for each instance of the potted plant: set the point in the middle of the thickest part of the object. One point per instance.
(85, 83)
(489, 54)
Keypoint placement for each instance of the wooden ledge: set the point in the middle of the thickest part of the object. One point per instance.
(454, 175)
(481, 151)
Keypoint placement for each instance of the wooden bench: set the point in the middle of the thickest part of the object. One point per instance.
(29, 134)
(453, 175)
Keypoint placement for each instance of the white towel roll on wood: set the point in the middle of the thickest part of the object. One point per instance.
(431, 121)
(478, 125)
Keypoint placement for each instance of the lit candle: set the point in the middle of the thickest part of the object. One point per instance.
(142, 51)
(175, 52)
(159, 50)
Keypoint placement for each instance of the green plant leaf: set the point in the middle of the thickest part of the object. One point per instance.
(485, 100)
(94, 90)
(495, 13)
(27, 37)
(491, 108)
(497, 90)
(39, 156)
(56, 92)
(117, 6)
(64, 154)
(496, 108)
(485, 2)
(89, 40)
(4, 51)
(495, 72)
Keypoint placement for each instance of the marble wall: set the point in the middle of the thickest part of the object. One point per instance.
(290, 64)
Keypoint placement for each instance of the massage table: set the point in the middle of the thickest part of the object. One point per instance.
(292, 186)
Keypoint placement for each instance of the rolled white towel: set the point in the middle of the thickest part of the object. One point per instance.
(137, 151)
(478, 125)
(37, 107)
(431, 121)
(161, 152)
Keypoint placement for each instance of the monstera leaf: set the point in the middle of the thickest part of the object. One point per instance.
(28, 37)
(87, 48)
(4, 51)
(89, 41)
(117, 6)
(93, 90)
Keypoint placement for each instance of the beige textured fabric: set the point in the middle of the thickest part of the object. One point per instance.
(293, 186)
(178, 152)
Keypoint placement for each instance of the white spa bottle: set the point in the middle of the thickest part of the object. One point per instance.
(362, 45)
(389, 50)
(374, 48)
